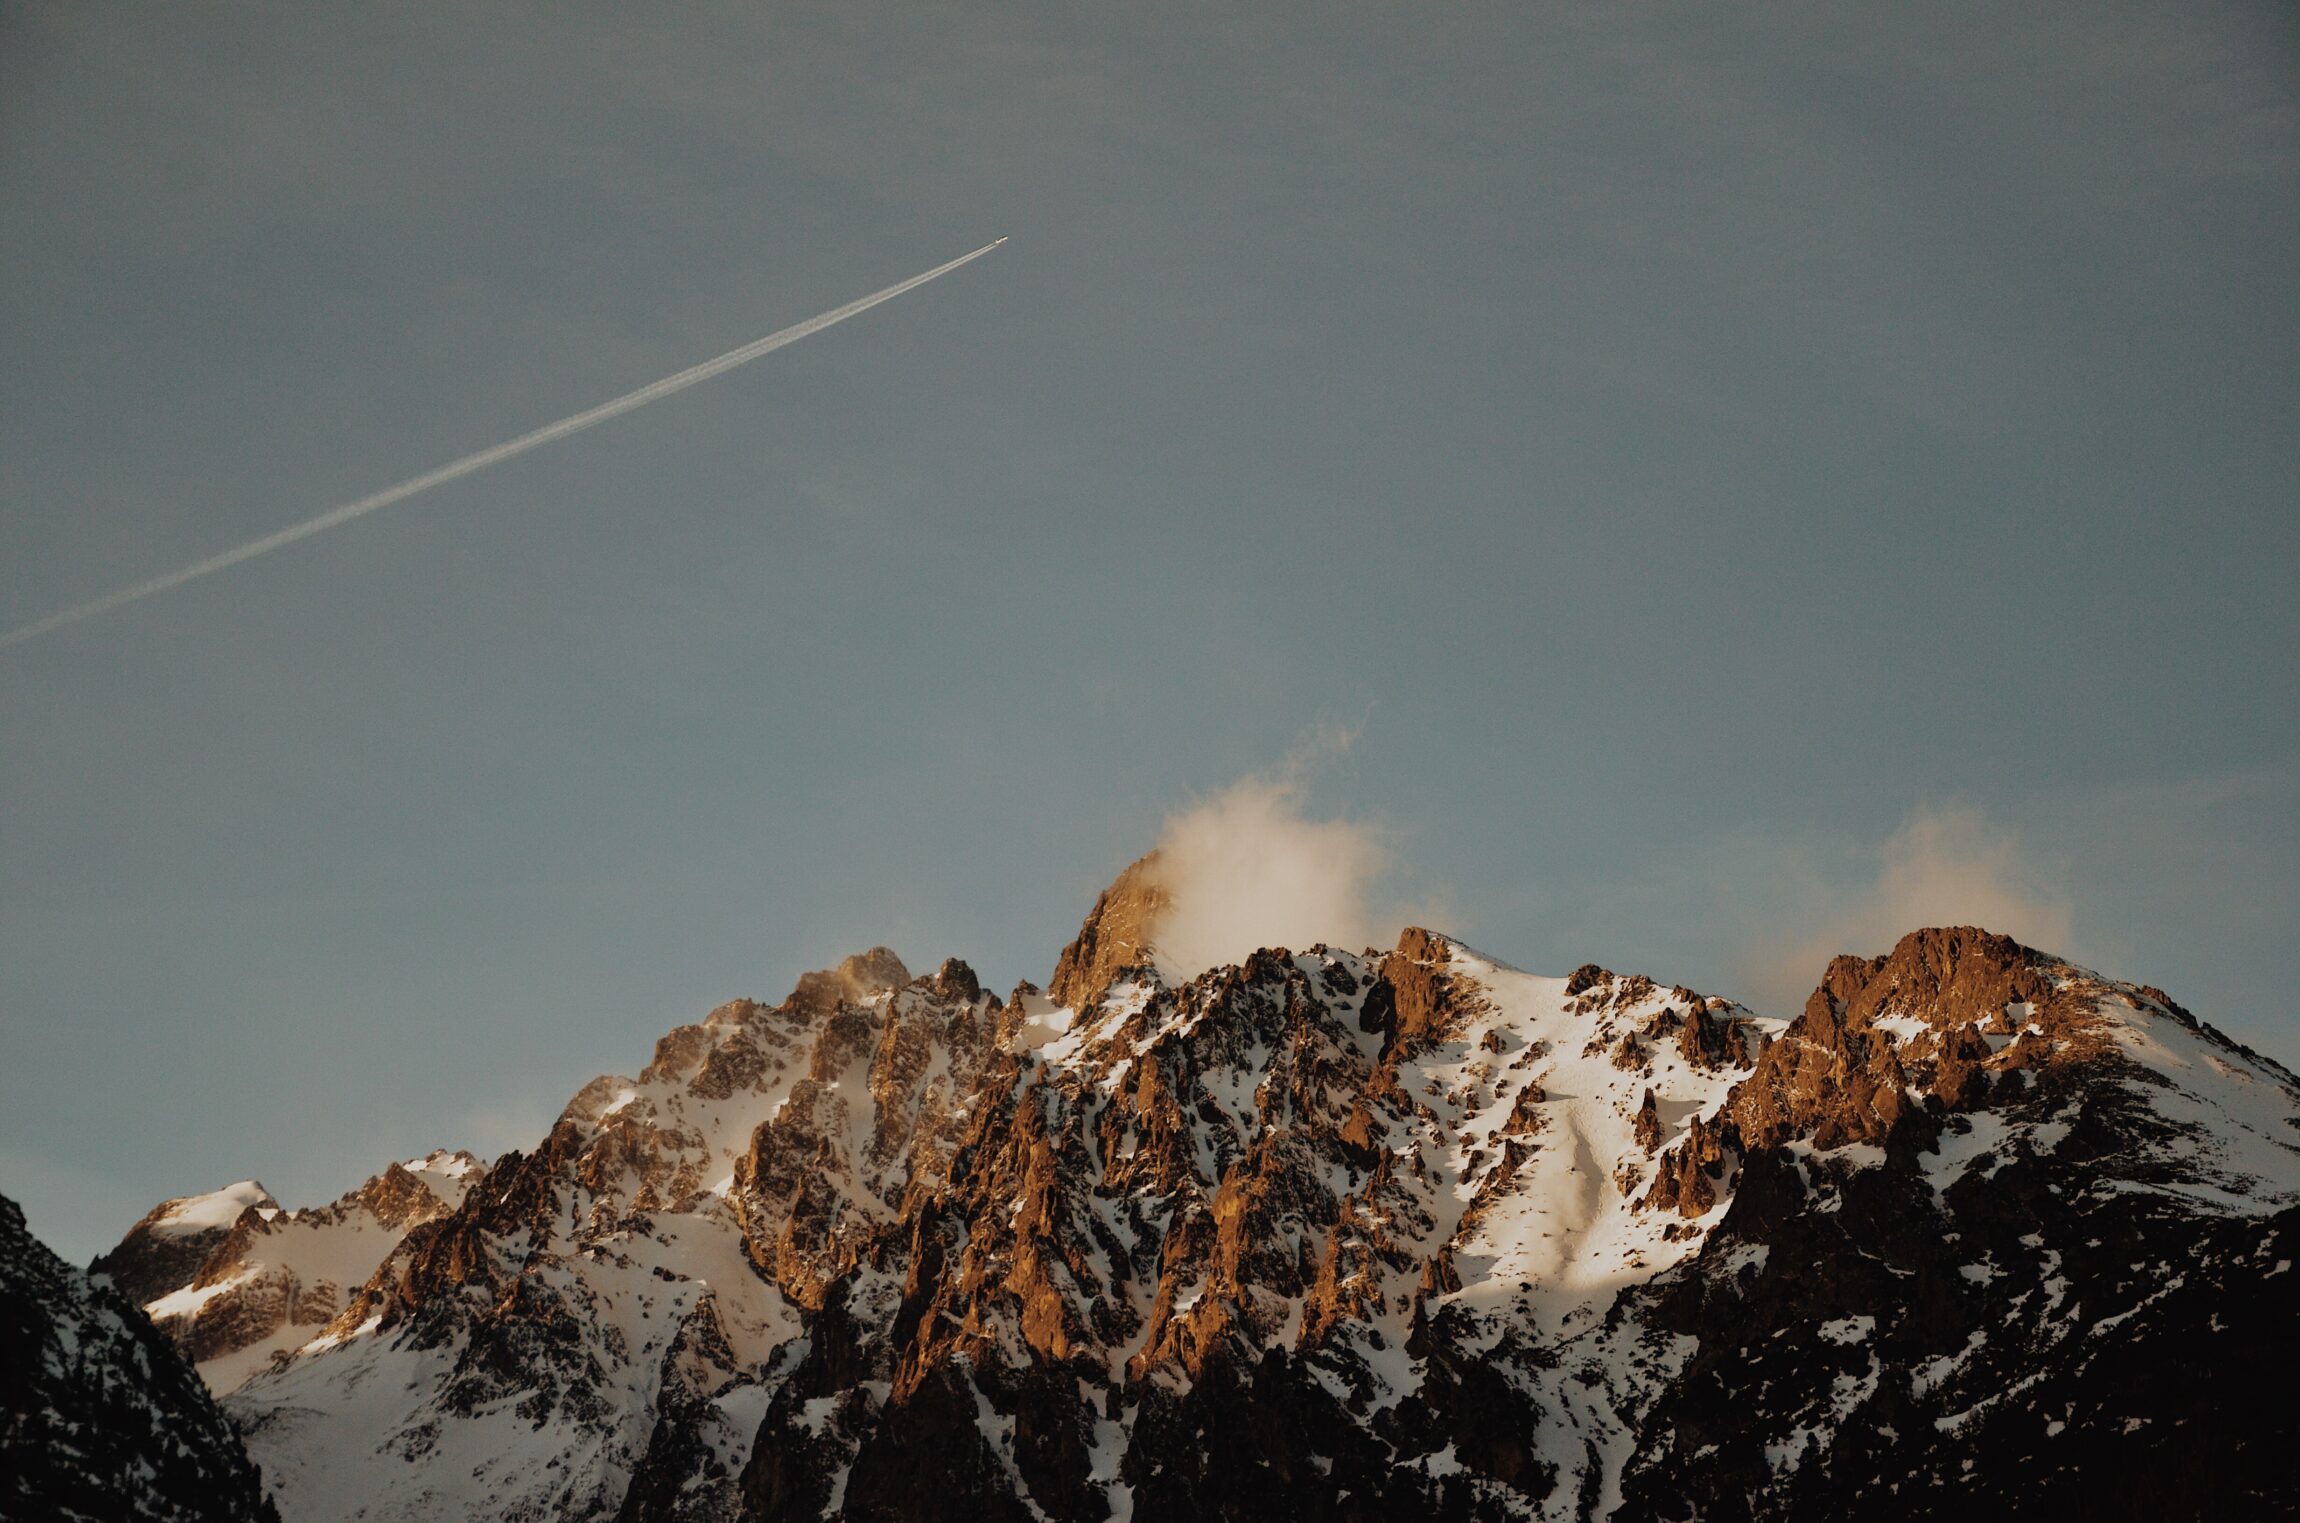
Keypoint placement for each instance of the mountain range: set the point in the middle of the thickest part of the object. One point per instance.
(1328, 1234)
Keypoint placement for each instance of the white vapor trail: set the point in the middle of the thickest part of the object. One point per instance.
(456, 469)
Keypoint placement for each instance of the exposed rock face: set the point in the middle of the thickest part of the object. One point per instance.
(99, 1417)
(1201, 1254)
(1333, 1235)
(1115, 937)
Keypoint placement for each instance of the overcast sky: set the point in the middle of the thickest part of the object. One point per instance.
(1736, 478)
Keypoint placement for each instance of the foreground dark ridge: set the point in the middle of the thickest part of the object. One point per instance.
(1332, 1236)
(100, 1418)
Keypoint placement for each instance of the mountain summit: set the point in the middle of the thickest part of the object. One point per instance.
(1329, 1234)
(1115, 937)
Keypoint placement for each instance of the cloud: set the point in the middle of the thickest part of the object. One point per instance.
(1947, 865)
(1247, 868)
(517, 1123)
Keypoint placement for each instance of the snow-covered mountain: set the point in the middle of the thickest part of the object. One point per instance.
(235, 1280)
(100, 1418)
(1328, 1235)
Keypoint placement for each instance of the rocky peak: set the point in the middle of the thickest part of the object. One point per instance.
(733, 1047)
(1887, 1044)
(855, 978)
(407, 1193)
(2016, 1200)
(1116, 936)
(955, 980)
(617, 1297)
(1945, 976)
(1415, 1000)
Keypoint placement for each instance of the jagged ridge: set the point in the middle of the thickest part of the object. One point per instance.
(1344, 1235)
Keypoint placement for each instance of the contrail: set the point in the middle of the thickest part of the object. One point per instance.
(455, 469)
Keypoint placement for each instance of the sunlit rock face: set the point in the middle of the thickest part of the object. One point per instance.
(1346, 1234)
(1116, 937)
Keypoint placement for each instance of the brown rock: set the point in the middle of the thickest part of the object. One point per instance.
(1648, 1123)
(1960, 1075)
(1706, 1043)
(1688, 1171)
(1115, 935)
(1525, 1116)
(1421, 1001)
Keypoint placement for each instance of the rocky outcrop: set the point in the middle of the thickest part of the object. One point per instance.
(1115, 937)
(100, 1418)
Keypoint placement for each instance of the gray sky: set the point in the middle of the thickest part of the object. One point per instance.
(1740, 475)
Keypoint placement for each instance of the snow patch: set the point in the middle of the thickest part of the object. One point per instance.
(211, 1212)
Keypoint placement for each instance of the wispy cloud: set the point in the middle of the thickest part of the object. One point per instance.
(1946, 865)
(1248, 867)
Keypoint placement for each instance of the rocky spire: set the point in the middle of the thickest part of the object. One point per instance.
(1117, 934)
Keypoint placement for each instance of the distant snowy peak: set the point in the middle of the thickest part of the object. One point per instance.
(195, 1215)
(599, 1319)
(164, 1251)
(234, 1280)
(445, 1173)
